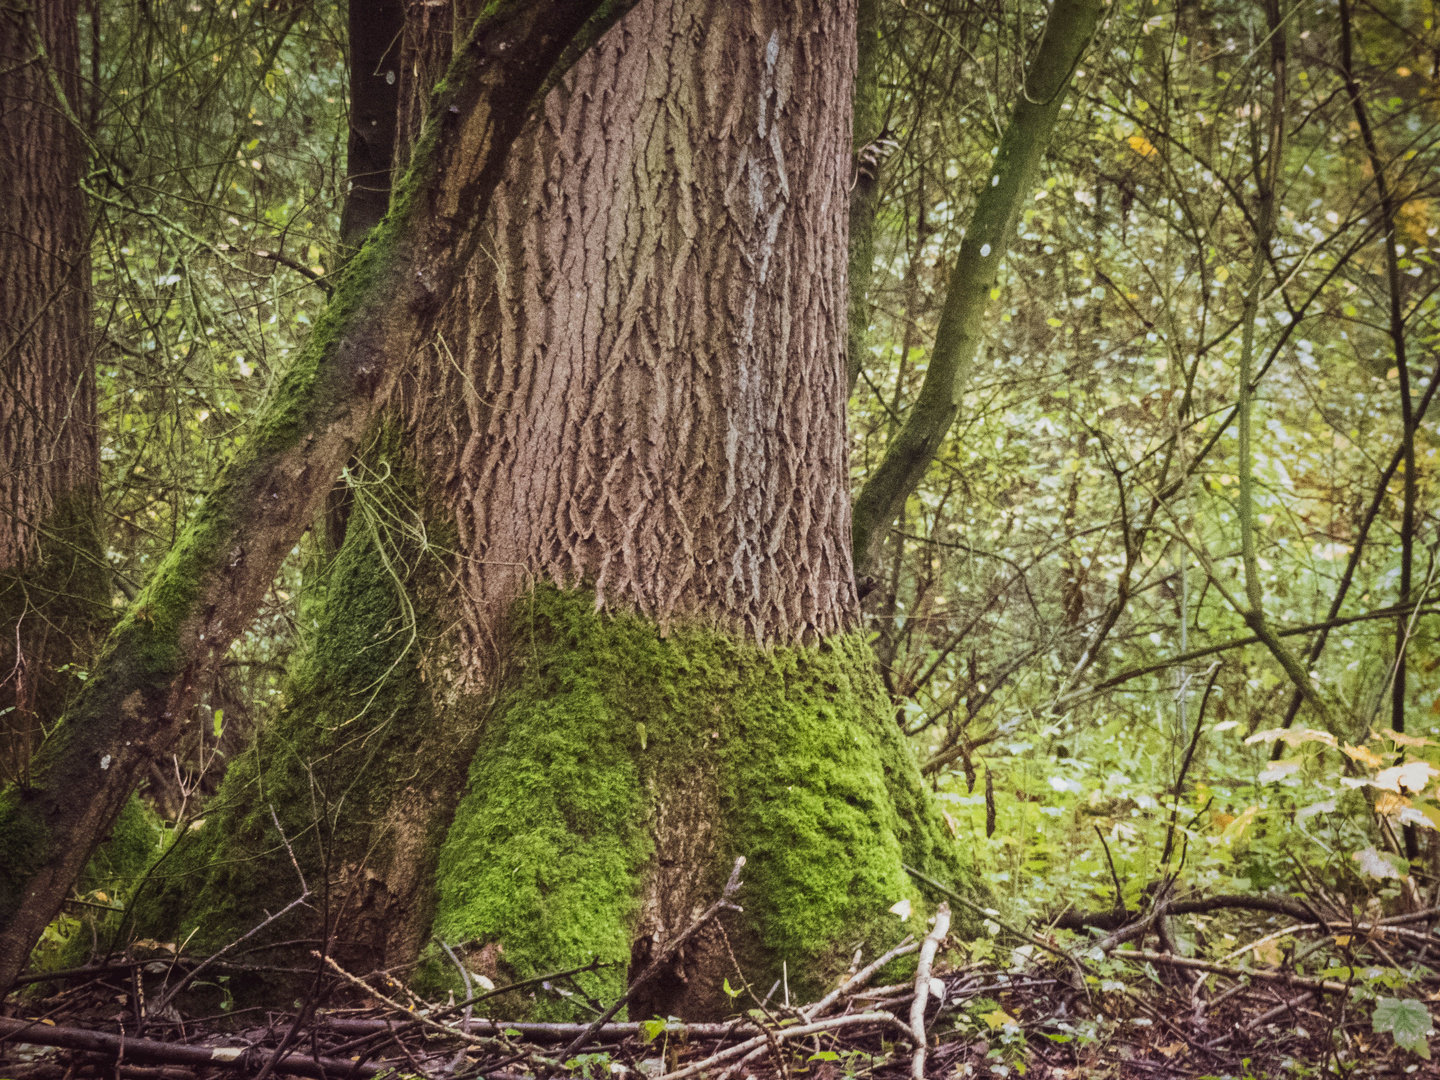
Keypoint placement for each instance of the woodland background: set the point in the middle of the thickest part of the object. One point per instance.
(1060, 612)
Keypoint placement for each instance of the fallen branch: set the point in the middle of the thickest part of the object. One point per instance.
(154, 1052)
(922, 987)
(724, 903)
(538, 1030)
(1285, 977)
(852, 985)
(356, 981)
(831, 1024)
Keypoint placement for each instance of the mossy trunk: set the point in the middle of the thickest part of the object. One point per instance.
(204, 593)
(645, 623)
(361, 768)
(623, 770)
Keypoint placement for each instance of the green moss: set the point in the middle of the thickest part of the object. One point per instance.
(359, 731)
(808, 776)
(108, 881)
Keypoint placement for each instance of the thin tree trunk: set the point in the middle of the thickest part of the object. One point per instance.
(54, 596)
(375, 28)
(987, 237)
(140, 694)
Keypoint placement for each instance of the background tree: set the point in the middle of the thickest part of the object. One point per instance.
(54, 588)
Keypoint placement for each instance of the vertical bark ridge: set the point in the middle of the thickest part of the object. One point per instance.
(52, 580)
(651, 355)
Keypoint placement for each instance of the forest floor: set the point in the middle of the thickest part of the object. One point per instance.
(1041, 1022)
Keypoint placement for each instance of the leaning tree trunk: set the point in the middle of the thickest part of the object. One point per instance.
(205, 592)
(634, 597)
(53, 585)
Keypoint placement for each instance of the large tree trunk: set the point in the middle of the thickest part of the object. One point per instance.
(630, 433)
(143, 685)
(53, 585)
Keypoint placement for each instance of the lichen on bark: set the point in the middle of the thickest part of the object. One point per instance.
(617, 756)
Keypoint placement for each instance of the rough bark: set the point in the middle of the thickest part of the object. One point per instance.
(53, 584)
(649, 394)
(634, 414)
(140, 694)
(977, 265)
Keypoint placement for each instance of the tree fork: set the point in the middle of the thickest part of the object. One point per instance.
(210, 584)
(1067, 34)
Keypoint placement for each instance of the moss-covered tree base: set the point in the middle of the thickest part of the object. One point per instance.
(622, 772)
(361, 770)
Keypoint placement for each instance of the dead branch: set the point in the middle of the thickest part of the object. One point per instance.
(922, 987)
(852, 985)
(154, 1052)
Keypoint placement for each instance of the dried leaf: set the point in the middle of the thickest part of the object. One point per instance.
(1401, 739)
(1364, 755)
(1292, 737)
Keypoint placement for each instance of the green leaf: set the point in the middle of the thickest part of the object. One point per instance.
(219, 722)
(1406, 1019)
(824, 1055)
(653, 1028)
(730, 992)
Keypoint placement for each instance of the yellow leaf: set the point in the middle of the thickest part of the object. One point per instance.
(1401, 739)
(1341, 940)
(998, 1019)
(1268, 952)
(1390, 804)
(1222, 273)
(1141, 146)
(1364, 755)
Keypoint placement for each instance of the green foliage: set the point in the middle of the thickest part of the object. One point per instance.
(1408, 1020)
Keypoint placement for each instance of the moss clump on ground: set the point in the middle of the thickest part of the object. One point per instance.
(601, 715)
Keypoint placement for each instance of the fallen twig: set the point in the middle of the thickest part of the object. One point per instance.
(922, 987)
(829, 1024)
(154, 1052)
(853, 984)
(299, 901)
(356, 981)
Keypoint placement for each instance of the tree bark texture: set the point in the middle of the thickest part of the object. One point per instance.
(142, 689)
(53, 584)
(645, 389)
(632, 420)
